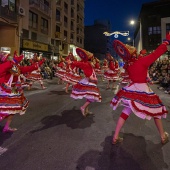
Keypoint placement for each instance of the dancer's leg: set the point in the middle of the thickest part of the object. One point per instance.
(42, 84)
(30, 85)
(113, 84)
(83, 108)
(67, 86)
(7, 127)
(123, 117)
(164, 135)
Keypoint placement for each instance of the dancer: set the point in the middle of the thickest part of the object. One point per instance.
(61, 70)
(36, 74)
(87, 87)
(111, 74)
(12, 99)
(137, 97)
(71, 76)
(97, 68)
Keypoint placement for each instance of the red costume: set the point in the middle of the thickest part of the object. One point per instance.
(87, 87)
(112, 72)
(138, 96)
(12, 99)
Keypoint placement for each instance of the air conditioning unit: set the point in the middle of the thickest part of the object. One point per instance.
(21, 11)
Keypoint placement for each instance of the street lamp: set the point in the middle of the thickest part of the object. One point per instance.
(138, 42)
(132, 22)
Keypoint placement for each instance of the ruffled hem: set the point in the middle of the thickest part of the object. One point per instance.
(144, 105)
(90, 97)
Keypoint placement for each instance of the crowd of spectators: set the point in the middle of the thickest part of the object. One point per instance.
(159, 73)
(47, 69)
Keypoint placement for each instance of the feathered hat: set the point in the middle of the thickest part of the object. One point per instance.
(83, 54)
(125, 51)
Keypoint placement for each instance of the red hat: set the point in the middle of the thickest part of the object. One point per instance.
(83, 54)
(125, 51)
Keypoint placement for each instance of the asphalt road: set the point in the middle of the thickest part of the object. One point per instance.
(53, 135)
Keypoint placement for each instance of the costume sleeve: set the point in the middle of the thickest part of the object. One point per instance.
(151, 58)
(4, 67)
(27, 69)
(78, 64)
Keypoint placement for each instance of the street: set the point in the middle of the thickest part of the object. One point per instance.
(53, 135)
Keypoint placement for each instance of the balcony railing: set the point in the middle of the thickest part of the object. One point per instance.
(57, 35)
(8, 14)
(40, 6)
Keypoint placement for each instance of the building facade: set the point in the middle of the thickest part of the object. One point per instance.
(154, 23)
(50, 27)
(95, 41)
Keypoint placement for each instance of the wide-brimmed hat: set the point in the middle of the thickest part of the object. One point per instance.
(125, 51)
(83, 54)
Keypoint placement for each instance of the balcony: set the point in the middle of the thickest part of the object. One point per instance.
(58, 35)
(8, 14)
(37, 4)
(58, 4)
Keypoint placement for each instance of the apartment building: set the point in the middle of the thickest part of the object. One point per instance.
(94, 35)
(153, 24)
(68, 27)
(48, 27)
(9, 35)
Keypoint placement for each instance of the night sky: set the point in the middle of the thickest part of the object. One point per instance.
(119, 12)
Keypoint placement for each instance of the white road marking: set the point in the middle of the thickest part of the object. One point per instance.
(2, 150)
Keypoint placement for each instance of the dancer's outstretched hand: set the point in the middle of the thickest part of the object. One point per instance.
(17, 59)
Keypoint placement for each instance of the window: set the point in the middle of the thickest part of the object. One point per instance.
(80, 41)
(72, 13)
(44, 25)
(33, 20)
(154, 30)
(72, 36)
(72, 26)
(12, 6)
(72, 2)
(57, 28)
(65, 33)
(58, 15)
(168, 27)
(65, 21)
(65, 8)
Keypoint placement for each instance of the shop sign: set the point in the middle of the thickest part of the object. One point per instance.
(35, 45)
(6, 49)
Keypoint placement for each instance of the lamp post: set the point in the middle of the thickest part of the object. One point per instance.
(132, 22)
(139, 41)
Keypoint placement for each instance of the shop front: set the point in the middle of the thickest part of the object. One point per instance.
(30, 47)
